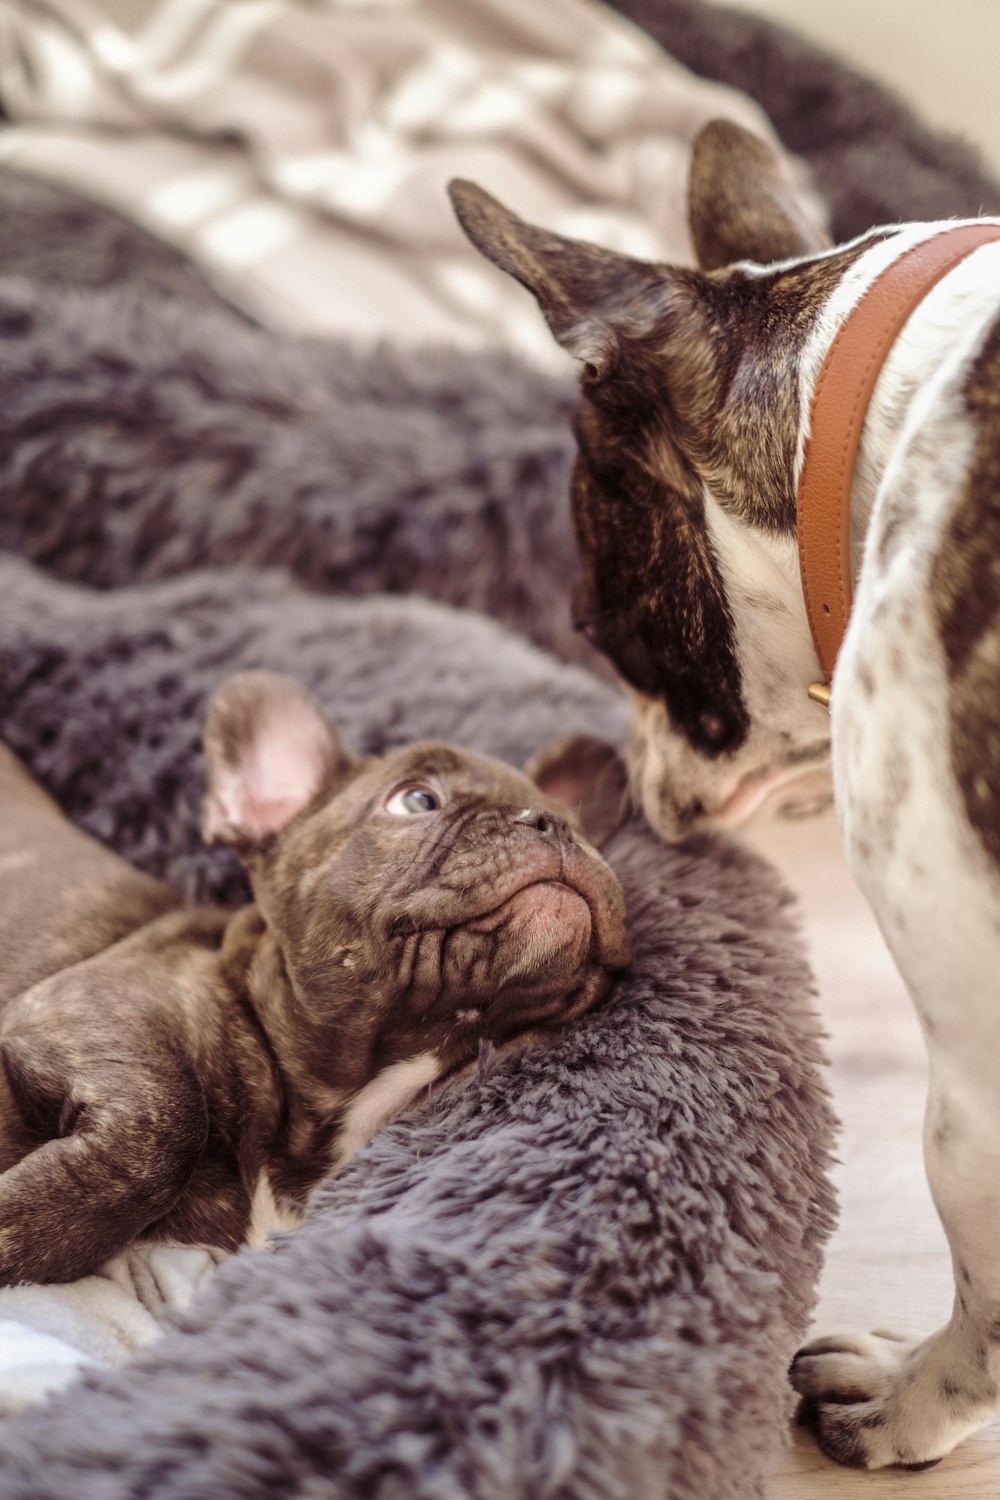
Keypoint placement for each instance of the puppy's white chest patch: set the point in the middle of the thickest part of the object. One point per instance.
(267, 1216)
(379, 1100)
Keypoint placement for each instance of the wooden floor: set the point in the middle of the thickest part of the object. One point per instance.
(888, 1264)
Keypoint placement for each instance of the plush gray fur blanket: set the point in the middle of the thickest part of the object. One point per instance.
(583, 1271)
(580, 1272)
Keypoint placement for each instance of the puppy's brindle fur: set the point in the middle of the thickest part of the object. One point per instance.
(188, 1075)
(691, 427)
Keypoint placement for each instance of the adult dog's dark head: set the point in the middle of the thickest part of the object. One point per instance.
(690, 431)
(422, 901)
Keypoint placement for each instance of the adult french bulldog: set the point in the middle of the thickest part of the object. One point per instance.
(692, 427)
(189, 1075)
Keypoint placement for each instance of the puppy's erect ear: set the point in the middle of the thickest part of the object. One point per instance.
(590, 777)
(271, 753)
(584, 292)
(744, 203)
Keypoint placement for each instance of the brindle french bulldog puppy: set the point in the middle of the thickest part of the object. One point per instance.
(189, 1075)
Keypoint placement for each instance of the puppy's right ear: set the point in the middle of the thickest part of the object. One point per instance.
(590, 777)
(271, 753)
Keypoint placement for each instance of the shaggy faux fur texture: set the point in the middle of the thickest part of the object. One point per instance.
(80, 247)
(137, 442)
(582, 1271)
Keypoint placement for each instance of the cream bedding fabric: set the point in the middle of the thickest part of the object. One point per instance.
(299, 151)
(49, 1333)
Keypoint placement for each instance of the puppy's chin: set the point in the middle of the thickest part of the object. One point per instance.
(545, 927)
(549, 958)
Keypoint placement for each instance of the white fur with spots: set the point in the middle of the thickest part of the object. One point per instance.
(936, 895)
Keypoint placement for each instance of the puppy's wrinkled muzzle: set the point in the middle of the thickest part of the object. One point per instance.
(544, 929)
(583, 897)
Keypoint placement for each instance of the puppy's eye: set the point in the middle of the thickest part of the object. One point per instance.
(411, 801)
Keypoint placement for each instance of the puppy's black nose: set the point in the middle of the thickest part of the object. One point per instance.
(547, 823)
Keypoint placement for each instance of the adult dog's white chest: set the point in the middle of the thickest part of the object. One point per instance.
(916, 744)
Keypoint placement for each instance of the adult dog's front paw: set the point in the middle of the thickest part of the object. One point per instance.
(876, 1399)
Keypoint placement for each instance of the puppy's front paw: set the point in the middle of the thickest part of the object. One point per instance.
(865, 1394)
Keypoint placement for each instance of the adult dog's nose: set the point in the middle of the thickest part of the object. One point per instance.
(549, 824)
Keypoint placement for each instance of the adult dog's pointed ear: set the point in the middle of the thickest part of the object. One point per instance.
(744, 202)
(582, 289)
(590, 777)
(271, 753)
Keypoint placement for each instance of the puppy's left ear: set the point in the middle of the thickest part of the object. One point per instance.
(271, 753)
(590, 777)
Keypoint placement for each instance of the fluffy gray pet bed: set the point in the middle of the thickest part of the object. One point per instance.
(580, 1274)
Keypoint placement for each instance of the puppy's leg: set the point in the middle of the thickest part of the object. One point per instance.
(123, 1143)
(63, 896)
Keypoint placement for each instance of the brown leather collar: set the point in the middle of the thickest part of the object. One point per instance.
(840, 403)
